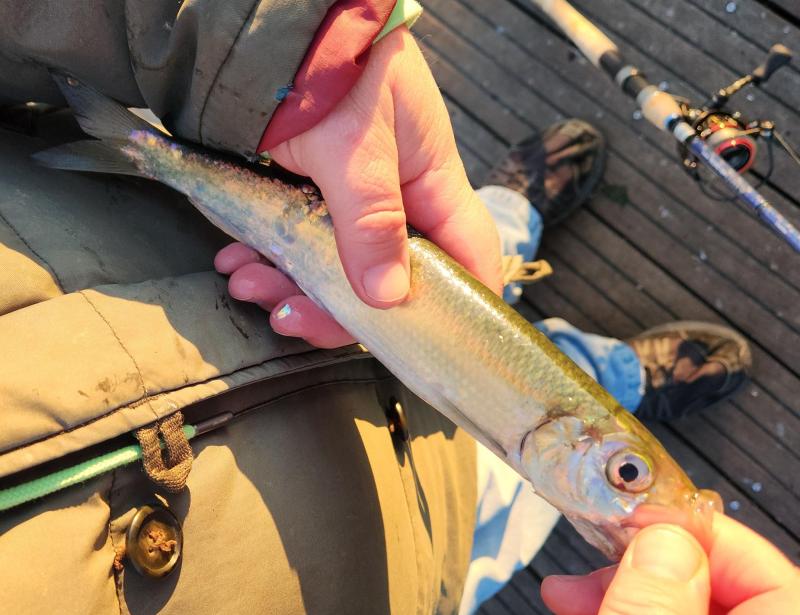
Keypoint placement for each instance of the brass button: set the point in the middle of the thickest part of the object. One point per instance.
(396, 416)
(154, 541)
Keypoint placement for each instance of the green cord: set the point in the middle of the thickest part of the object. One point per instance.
(45, 485)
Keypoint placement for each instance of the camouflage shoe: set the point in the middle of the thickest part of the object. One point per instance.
(556, 170)
(689, 366)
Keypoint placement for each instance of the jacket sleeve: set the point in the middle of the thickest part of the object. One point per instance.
(214, 71)
(334, 61)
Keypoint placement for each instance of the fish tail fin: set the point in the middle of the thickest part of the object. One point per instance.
(101, 117)
(91, 156)
(97, 114)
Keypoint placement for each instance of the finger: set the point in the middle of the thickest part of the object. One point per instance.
(371, 235)
(784, 599)
(355, 166)
(664, 570)
(748, 570)
(261, 284)
(362, 192)
(235, 255)
(299, 316)
(577, 595)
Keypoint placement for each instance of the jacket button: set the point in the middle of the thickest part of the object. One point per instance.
(396, 416)
(154, 541)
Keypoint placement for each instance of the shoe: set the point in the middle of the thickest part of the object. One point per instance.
(689, 366)
(556, 170)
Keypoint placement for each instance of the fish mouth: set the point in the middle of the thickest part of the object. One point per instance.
(695, 515)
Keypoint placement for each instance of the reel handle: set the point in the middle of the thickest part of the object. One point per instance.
(779, 55)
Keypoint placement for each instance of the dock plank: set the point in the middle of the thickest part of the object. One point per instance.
(754, 22)
(788, 9)
(599, 99)
(701, 72)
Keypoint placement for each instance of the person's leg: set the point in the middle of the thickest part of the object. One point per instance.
(613, 363)
(511, 525)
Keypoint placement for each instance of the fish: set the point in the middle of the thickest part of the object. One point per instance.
(453, 342)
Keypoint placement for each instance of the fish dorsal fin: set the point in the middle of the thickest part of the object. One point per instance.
(91, 156)
(97, 114)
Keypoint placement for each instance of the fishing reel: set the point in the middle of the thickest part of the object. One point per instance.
(728, 133)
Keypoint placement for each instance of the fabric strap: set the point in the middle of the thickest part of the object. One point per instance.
(45, 485)
(173, 474)
(517, 270)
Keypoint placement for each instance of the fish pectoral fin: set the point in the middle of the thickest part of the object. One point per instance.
(90, 156)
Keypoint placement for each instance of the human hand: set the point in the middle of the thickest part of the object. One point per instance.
(665, 571)
(384, 156)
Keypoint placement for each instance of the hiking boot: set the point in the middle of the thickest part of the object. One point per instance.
(555, 170)
(689, 366)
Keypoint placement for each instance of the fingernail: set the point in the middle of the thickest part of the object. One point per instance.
(242, 289)
(386, 283)
(283, 312)
(666, 553)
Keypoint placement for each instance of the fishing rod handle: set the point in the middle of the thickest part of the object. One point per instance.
(659, 108)
(586, 36)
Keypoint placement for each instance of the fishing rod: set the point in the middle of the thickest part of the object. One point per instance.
(711, 135)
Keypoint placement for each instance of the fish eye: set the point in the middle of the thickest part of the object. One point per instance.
(629, 471)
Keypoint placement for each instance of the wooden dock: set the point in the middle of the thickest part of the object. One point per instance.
(650, 247)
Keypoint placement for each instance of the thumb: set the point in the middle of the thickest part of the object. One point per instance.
(352, 156)
(370, 225)
(358, 176)
(664, 571)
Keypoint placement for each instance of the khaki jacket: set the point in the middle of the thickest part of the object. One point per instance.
(314, 497)
(211, 70)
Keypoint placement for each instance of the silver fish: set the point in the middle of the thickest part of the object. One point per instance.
(453, 342)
